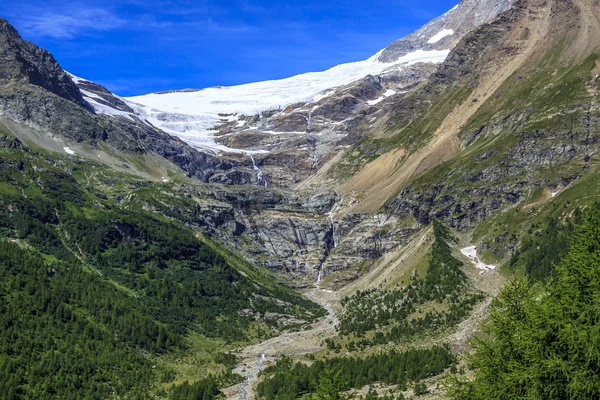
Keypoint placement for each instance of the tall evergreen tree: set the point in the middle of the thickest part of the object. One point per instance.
(543, 342)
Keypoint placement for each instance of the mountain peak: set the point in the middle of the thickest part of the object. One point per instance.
(6, 29)
(445, 31)
(24, 61)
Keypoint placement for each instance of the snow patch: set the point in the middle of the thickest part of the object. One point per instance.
(373, 102)
(440, 35)
(100, 108)
(76, 80)
(323, 95)
(68, 150)
(387, 93)
(85, 93)
(471, 253)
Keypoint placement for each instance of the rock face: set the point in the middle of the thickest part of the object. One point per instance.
(37, 92)
(490, 181)
(436, 35)
(297, 234)
(24, 62)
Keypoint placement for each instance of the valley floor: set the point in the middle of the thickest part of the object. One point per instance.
(255, 357)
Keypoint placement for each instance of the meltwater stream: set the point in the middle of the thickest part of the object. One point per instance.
(249, 376)
(259, 176)
(333, 233)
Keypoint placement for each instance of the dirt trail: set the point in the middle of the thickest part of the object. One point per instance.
(258, 356)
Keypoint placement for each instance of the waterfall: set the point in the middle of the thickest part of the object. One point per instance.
(333, 234)
(319, 276)
(259, 176)
(309, 118)
(260, 361)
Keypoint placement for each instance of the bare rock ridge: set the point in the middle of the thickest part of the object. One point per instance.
(447, 30)
(24, 61)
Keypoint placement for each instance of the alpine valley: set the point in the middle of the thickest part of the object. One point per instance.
(420, 224)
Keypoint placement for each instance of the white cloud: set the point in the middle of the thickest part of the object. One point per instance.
(70, 24)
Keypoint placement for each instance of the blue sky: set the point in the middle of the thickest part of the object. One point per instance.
(141, 46)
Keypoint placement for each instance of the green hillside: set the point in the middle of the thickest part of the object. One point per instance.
(95, 295)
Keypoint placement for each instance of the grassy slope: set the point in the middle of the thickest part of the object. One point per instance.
(180, 297)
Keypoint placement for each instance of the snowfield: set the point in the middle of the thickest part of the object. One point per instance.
(192, 115)
(252, 98)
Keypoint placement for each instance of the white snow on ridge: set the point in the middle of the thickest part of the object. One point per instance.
(68, 150)
(252, 98)
(377, 100)
(440, 35)
(192, 116)
(104, 109)
(92, 98)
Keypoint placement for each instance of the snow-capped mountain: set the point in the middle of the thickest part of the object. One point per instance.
(192, 114)
(196, 115)
(446, 30)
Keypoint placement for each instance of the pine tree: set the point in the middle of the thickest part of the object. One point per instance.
(328, 387)
(543, 341)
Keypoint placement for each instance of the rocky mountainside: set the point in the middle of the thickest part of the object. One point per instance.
(293, 126)
(444, 32)
(37, 93)
(358, 160)
(276, 148)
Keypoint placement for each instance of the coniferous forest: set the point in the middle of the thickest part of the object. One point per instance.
(91, 293)
(542, 338)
